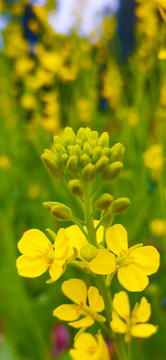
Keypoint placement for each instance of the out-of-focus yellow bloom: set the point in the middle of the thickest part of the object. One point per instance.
(162, 54)
(39, 254)
(131, 323)
(84, 106)
(162, 8)
(76, 290)
(50, 61)
(112, 85)
(33, 191)
(5, 162)
(109, 27)
(51, 125)
(158, 227)
(89, 347)
(132, 264)
(23, 65)
(154, 159)
(133, 118)
(27, 101)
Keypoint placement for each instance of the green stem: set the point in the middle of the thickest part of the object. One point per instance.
(88, 217)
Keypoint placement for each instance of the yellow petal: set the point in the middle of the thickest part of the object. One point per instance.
(142, 312)
(103, 263)
(61, 244)
(96, 302)
(75, 290)
(76, 237)
(116, 239)
(102, 349)
(117, 324)
(121, 304)
(56, 271)
(132, 278)
(66, 312)
(147, 258)
(32, 242)
(31, 267)
(85, 341)
(143, 330)
(84, 322)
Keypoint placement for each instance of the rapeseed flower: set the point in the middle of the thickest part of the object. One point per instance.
(158, 227)
(131, 264)
(39, 254)
(76, 290)
(131, 323)
(154, 159)
(89, 347)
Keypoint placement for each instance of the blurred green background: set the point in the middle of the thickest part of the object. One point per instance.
(49, 81)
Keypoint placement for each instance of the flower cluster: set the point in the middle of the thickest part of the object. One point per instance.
(95, 247)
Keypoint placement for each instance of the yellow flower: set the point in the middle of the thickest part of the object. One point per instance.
(153, 157)
(89, 347)
(76, 290)
(131, 323)
(5, 162)
(39, 254)
(132, 264)
(162, 54)
(158, 227)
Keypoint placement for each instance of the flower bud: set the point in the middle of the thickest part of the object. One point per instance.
(72, 164)
(51, 161)
(106, 151)
(84, 160)
(76, 187)
(96, 154)
(88, 252)
(75, 150)
(112, 171)
(57, 139)
(48, 205)
(117, 152)
(101, 164)
(119, 205)
(88, 173)
(62, 212)
(64, 158)
(107, 221)
(103, 140)
(103, 202)
(87, 149)
(69, 134)
(59, 148)
(83, 133)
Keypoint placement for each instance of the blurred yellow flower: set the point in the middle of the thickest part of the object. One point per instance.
(28, 101)
(131, 323)
(158, 227)
(154, 159)
(84, 106)
(76, 290)
(5, 162)
(39, 254)
(23, 65)
(89, 347)
(132, 264)
(162, 54)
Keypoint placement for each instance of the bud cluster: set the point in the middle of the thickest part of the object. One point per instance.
(82, 157)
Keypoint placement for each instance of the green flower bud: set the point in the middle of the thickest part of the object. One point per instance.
(64, 158)
(79, 142)
(88, 252)
(60, 149)
(51, 161)
(106, 151)
(87, 149)
(103, 202)
(112, 171)
(83, 134)
(69, 134)
(76, 187)
(72, 164)
(62, 212)
(119, 205)
(104, 140)
(84, 160)
(48, 205)
(107, 221)
(88, 173)
(96, 154)
(57, 140)
(94, 135)
(75, 150)
(117, 152)
(101, 164)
